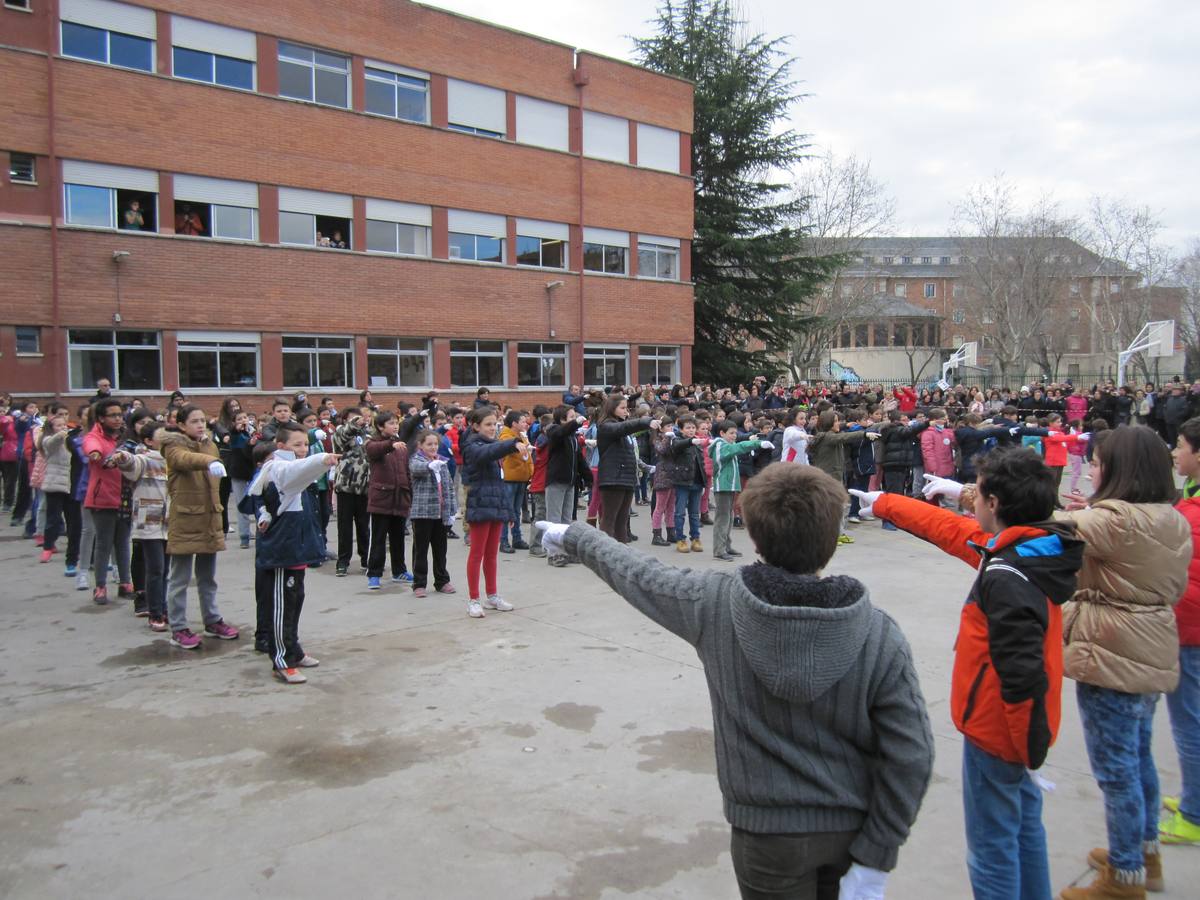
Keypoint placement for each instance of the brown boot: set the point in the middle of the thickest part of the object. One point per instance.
(697, 547)
(1098, 859)
(591, 522)
(1105, 887)
(683, 547)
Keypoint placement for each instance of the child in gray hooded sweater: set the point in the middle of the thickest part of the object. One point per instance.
(823, 745)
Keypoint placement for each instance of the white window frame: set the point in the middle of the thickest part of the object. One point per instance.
(927, 260)
(213, 60)
(957, 291)
(930, 290)
(397, 354)
(605, 137)
(606, 240)
(944, 261)
(659, 357)
(901, 289)
(541, 123)
(395, 227)
(606, 352)
(463, 353)
(543, 232)
(111, 18)
(542, 355)
(315, 353)
(470, 108)
(314, 67)
(384, 73)
(218, 343)
(660, 247)
(473, 225)
(116, 347)
(18, 5)
(959, 317)
(881, 285)
(657, 148)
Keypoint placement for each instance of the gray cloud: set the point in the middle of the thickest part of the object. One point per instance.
(1068, 97)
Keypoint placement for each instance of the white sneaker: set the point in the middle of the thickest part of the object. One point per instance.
(495, 601)
(474, 610)
(81, 581)
(854, 520)
(866, 517)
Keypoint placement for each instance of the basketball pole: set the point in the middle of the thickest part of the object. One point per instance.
(1143, 341)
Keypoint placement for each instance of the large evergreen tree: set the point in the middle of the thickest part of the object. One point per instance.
(749, 265)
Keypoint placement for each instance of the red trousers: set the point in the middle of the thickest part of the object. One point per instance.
(485, 545)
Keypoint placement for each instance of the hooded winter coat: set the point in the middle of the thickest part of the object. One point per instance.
(57, 453)
(194, 519)
(818, 718)
(1187, 612)
(897, 440)
(104, 484)
(390, 490)
(486, 501)
(618, 454)
(1119, 627)
(1006, 694)
(150, 501)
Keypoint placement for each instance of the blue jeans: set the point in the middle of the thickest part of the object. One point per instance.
(1184, 706)
(687, 501)
(1116, 729)
(1006, 843)
(515, 492)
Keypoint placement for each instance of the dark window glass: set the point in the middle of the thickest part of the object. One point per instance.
(381, 98)
(198, 369)
(29, 339)
(381, 236)
(193, 64)
(614, 260)
(410, 97)
(144, 217)
(237, 73)
(554, 254)
(297, 370)
(21, 168)
(331, 367)
(84, 42)
(295, 80)
(89, 366)
(529, 251)
(130, 52)
(137, 370)
(593, 257)
(462, 246)
(331, 88)
(489, 249)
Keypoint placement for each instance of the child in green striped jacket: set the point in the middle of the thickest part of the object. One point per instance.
(727, 482)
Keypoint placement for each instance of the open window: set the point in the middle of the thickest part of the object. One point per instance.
(137, 210)
(315, 219)
(105, 196)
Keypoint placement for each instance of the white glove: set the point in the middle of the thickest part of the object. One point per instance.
(1086, 436)
(552, 536)
(861, 883)
(319, 434)
(650, 469)
(766, 445)
(941, 487)
(1014, 431)
(216, 469)
(590, 443)
(866, 499)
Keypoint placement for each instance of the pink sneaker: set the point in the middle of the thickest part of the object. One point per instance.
(219, 629)
(447, 588)
(46, 554)
(186, 639)
(418, 592)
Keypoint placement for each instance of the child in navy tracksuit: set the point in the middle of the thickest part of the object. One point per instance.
(290, 543)
(251, 505)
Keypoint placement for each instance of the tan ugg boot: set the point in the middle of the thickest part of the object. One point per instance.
(1106, 887)
(697, 547)
(683, 547)
(1098, 859)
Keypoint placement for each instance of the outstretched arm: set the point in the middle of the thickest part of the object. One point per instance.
(941, 527)
(671, 597)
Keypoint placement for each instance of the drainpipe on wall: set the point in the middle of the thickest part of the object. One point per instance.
(57, 342)
(581, 80)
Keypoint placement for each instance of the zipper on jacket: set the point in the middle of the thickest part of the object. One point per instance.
(970, 707)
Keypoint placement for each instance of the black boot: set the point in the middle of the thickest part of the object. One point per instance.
(657, 540)
(671, 538)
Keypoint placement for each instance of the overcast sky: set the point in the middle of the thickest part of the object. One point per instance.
(1068, 97)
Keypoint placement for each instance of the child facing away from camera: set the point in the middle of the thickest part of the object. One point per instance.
(823, 745)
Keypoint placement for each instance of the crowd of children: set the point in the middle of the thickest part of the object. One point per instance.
(157, 495)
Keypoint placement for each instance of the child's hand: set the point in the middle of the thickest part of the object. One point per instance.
(866, 499)
(655, 424)
(699, 442)
(862, 883)
(400, 445)
(941, 487)
(591, 443)
(216, 469)
(1076, 502)
(872, 435)
(332, 459)
(552, 536)
(766, 445)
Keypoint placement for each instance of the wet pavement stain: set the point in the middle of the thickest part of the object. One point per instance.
(609, 648)
(521, 731)
(641, 863)
(160, 652)
(572, 716)
(689, 750)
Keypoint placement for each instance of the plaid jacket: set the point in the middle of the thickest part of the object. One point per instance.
(425, 501)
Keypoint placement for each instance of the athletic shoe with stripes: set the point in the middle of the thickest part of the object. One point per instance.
(290, 676)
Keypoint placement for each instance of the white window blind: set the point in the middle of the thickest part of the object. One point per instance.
(209, 38)
(553, 231)
(216, 337)
(485, 224)
(476, 106)
(318, 203)
(397, 70)
(110, 16)
(655, 239)
(606, 236)
(216, 190)
(657, 148)
(100, 175)
(542, 123)
(406, 213)
(605, 137)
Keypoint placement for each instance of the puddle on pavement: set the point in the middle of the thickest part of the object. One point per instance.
(689, 750)
(161, 652)
(521, 731)
(573, 716)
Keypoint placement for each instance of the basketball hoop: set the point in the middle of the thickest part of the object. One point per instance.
(966, 355)
(1155, 339)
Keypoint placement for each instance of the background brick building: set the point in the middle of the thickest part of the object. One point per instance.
(515, 213)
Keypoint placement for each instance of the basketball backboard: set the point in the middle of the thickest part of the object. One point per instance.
(1161, 338)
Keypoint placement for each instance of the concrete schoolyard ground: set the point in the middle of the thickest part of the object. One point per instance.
(563, 750)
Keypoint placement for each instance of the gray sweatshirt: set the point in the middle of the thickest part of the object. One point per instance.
(818, 718)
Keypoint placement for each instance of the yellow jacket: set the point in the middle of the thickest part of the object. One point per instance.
(515, 467)
(1119, 628)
